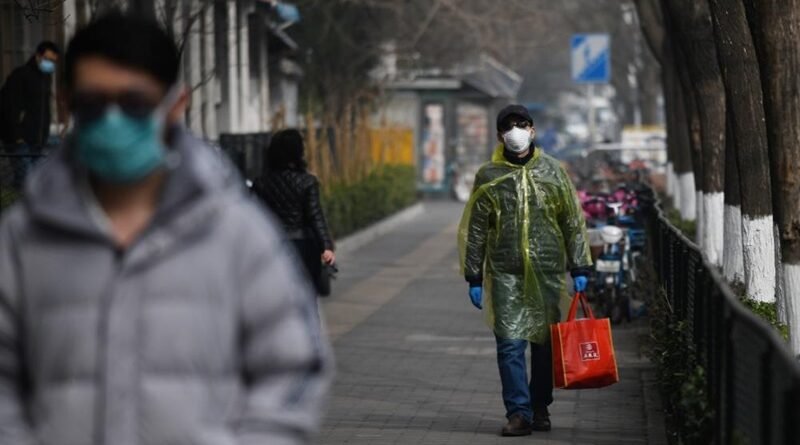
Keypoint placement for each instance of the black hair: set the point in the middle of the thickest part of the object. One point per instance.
(286, 151)
(47, 45)
(127, 40)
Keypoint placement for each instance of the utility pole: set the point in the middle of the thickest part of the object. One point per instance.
(592, 114)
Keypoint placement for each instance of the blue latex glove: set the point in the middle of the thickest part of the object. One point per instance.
(476, 295)
(580, 283)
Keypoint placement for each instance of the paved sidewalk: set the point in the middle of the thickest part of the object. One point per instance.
(416, 363)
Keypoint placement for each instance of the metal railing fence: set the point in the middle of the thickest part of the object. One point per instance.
(753, 381)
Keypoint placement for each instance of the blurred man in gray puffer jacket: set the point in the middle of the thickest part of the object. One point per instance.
(144, 299)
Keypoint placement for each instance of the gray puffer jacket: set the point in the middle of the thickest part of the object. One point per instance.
(200, 333)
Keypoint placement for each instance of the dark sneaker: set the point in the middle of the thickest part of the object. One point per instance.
(541, 419)
(517, 426)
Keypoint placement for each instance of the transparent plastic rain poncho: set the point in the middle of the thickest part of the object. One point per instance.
(521, 230)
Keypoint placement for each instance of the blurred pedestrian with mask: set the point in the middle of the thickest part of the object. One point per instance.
(25, 107)
(521, 231)
(144, 298)
(292, 193)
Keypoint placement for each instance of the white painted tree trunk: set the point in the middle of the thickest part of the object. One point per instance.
(671, 180)
(791, 289)
(714, 227)
(732, 258)
(758, 242)
(780, 303)
(687, 204)
(700, 222)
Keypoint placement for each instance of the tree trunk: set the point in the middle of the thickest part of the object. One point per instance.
(685, 187)
(650, 89)
(692, 18)
(684, 191)
(668, 79)
(684, 117)
(652, 24)
(650, 20)
(744, 97)
(733, 261)
(695, 144)
(776, 31)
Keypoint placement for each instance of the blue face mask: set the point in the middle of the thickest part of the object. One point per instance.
(119, 148)
(47, 66)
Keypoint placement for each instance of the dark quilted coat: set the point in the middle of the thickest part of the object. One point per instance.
(293, 195)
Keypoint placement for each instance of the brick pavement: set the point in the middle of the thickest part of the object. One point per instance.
(416, 364)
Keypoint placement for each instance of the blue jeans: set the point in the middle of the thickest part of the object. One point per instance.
(520, 395)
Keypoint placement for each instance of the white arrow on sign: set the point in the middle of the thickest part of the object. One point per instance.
(590, 54)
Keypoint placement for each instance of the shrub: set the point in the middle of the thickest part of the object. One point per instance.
(386, 190)
(682, 381)
(689, 228)
(768, 312)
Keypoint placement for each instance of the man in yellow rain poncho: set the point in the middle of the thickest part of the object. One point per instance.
(522, 229)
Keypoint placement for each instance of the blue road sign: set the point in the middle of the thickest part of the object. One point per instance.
(591, 58)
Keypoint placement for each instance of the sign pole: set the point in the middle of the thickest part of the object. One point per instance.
(591, 64)
(592, 114)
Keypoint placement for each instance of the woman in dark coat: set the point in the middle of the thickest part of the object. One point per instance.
(292, 193)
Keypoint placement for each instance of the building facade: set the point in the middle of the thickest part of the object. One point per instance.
(237, 61)
(452, 114)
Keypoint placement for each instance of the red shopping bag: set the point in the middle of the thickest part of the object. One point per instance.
(583, 351)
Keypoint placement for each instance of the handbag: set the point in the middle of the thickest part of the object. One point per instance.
(322, 275)
(327, 272)
(583, 350)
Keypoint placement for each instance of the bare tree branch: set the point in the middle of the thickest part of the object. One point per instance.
(34, 9)
(426, 23)
(204, 79)
(191, 20)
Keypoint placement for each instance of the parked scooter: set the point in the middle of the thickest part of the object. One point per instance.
(595, 209)
(610, 285)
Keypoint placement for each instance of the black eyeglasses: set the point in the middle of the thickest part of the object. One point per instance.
(90, 106)
(512, 123)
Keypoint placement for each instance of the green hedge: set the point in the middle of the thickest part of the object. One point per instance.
(354, 206)
(350, 207)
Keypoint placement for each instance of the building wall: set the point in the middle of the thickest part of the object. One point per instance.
(290, 87)
(398, 120)
(400, 109)
(392, 145)
(224, 59)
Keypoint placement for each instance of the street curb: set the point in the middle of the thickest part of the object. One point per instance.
(364, 236)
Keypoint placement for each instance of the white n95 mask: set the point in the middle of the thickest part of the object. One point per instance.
(518, 140)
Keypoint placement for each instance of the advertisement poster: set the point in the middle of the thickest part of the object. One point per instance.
(433, 155)
(473, 134)
(472, 148)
